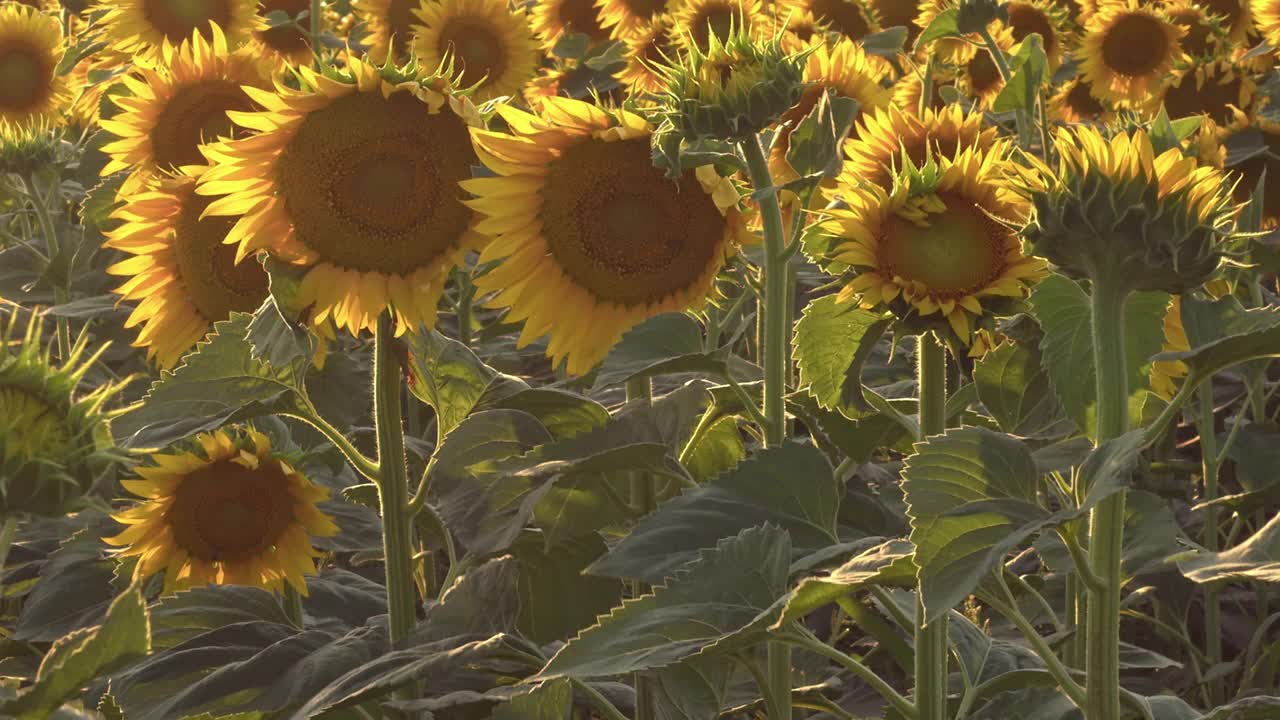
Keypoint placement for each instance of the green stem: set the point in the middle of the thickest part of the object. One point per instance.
(598, 701)
(61, 292)
(801, 637)
(1009, 608)
(291, 601)
(363, 465)
(7, 533)
(317, 12)
(926, 90)
(1106, 520)
(466, 293)
(1209, 465)
(1006, 74)
(393, 491)
(931, 638)
(640, 390)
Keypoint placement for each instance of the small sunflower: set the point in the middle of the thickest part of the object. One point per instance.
(182, 274)
(938, 244)
(875, 153)
(854, 19)
(176, 106)
(489, 45)
(1074, 102)
(31, 92)
(623, 18)
(1236, 16)
(698, 20)
(230, 512)
(286, 45)
(354, 175)
(553, 19)
(53, 441)
(1045, 19)
(1128, 53)
(386, 23)
(583, 222)
(1205, 34)
(1217, 90)
(979, 77)
(647, 47)
(143, 27)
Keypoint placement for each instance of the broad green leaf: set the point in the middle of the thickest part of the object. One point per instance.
(220, 382)
(662, 345)
(101, 200)
(832, 342)
(886, 43)
(551, 700)
(1031, 66)
(1163, 135)
(946, 24)
(1255, 559)
(814, 147)
(1222, 334)
(74, 589)
(448, 376)
(80, 657)
(691, 690)
(184, 615)
(886, 563)
(556, 598)
(563, 413)
(1062, 308)
(750, 494)
(1014, 387)
(709, 600)
(1253, 708)
(277, 340)
(719, 450)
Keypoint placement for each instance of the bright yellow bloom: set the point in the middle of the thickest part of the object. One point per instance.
(31, 92)
(874, 153)
(553, 19)
(950, 50)
(647, 47)
(697, 20)
(1074, 103)
(228, 513)
(592, 238)
(181, 273)
(908, 90)
(354, 176)
(937, 244)
(387, 23)
(854, 19)
(1267, 15)
(143, 27)
(1128, 52)
(624, 18)
(489, 45)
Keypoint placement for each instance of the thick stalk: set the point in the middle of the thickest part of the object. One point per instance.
(393, 486)
(931, 639)
(776, 349)
(1106, 521)
(1209, 466)
(643, 499)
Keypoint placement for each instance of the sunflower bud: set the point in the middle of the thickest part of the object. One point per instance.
(26, 150)
(52, 443)
(734, 89)
(1113, 209)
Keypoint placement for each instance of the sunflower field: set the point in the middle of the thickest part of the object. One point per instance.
(639, 359)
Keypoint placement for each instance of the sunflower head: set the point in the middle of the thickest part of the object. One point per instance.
(54, 441)
(908, 90)
(979, 77)
(733, 90)
(1206, 33)
(939, 249)
(1074, 102)
(31, 91)
(854, 19)
(1219, 91)
(883, 138)
(556, 19)
(647, 47)
(1043, 18)
(1111, 208)
(285, 45)
(226, 510)
(1128, 51)
(698, 21)
(623, 18)
(143, 27)
(26, 149)
(388, 27)
(489, 45)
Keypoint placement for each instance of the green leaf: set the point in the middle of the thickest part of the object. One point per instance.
(946, 24)
(220, 382)
(278, 342)
(1253, 708)
(549, 701)
(886, 43)
(1256, 559)
(888, 562)
(101, 200)
(187, 614)
(1015, 389)
(448, 376)
(1023, 89)
(814, 147)
(556, 598)
(719, 450)
(563, 413)
(691, 690)
(1222, 334)
(73, 591)
(832, 342)
(750, 494)
(80, 657)
(1062, 308)
(710, 600)
(662, 345)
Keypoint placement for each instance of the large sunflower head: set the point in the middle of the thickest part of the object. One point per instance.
(54, 441)
(226, 511)
(854, 19)
(143, 27)
(1219, 91)
(1074, 102)
(1045, 19)
(554, 19)
(31, 91)
(355, 176)
(173, 108)
(181, 273)
(490, 46)
(624, 18)
(1127, 53)
(388, 24)
(697, 21)
(593, 238)
(286, 45)
(938, 249)
(647, 48)
(1111, 208)
(884, 137)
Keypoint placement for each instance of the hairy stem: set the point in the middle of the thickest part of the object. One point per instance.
(393, 491)
(931, 639)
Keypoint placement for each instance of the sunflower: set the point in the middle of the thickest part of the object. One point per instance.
(553, 19)
(286, 45)
(1074, 103)
(174, 107)
(843, 68)
(949, 50)
(354, 176)
(229, 512)
(1205, 35)
(1251, 169)
(143, 27)
(547, 83)
(1217, 90)
(854, 19)
(386, 23)
(979, 77)
(489, 45)
(53, 440)
(647, 47)
(884, 135)
(899, 13)
(697, 20)
(1236, 16)
(938, 243)
(1127, 53)
(1043, 18)
(1266, 14)
(31, 92)
(181, 273)
(799, 29)
(582, 220)
(908, 90)
(623, 18)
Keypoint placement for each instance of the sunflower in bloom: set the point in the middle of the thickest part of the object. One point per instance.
(799, 29)
(1074, 102)
(285, 45)
(176, 106)
(647, 48)
(489, 45)
(1045, 19)
(355, 176)
(698, 20)
(1266, 14)
(387, 23)
(939, 243)
(553, 19)
(181, 273)
(951, 50)
(143, 27)
(1235, 15)
(875, 153)
(1219, 91)
(979, 77)
(1128, 52)
(623, 18)
(228, 512)
(908, 90)
(1205, 34)
(854, 19)
(31, 92)
(581, 220)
